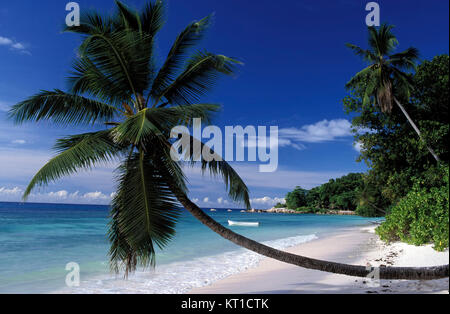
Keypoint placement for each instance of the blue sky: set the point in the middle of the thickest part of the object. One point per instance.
(296, 66)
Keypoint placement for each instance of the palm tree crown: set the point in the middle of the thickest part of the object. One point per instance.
(387, 78)
(116, 81)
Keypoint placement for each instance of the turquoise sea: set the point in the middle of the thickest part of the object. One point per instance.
(38, 240)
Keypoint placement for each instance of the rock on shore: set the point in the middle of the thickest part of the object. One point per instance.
(291, 211)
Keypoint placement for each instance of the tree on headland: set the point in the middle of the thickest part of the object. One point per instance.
(336, 194)
(384, 80)
(296, 198)
(115, 81)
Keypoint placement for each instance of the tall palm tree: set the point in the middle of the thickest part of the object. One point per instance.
(115, 81)
(385, 80)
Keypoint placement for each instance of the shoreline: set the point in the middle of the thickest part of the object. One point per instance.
(329, 212)
(358, 245)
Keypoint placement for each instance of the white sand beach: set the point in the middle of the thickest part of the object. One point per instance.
(356, 246)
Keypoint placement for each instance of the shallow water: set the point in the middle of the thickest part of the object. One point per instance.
(38, 240)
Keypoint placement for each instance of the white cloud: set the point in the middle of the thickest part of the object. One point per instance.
(59, 195)
(358, 146)
(267, 201)
(253, 142)
(5, 41)
(206, 200)
(322, 131)
(18, 46)
(94, 196)
(222, 201)
(10, 192)
(15, 195)
(20, 142)
(4, 106)
(13, 45)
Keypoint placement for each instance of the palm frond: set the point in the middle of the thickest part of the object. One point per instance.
(121, 254)
(187, 39)
(124, 57)
(91, 22)
(136, 130)
(406, 59)
(201, 73)
(168, 118)
(152, 18)
(367, 55)
(236, 187)
(75, 152)
(360, 78)
(144, 214)
(63, 108)
(87, 79)
(382, 41)
(130, 18)
(217, 167)
(151, 123)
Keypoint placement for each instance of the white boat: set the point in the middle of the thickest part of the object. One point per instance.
(213, 210)
(243, 224)
(229, 210)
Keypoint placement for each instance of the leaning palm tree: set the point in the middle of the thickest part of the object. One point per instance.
(385, 80)
(115, 82)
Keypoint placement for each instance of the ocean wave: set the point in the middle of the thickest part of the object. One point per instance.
(181, 277)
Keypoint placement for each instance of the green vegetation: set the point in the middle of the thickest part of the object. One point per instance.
(408, 176)
(338, 194)
(421, 216)
(296, 198)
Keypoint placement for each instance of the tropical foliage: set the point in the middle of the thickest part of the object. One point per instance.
(345, 193)
(296, 198)
(395, 155)
(422, 216)
(400, 162)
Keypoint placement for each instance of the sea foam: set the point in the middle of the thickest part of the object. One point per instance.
(181, 277)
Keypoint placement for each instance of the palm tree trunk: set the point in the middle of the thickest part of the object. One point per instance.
(416, 129)
(422, 273)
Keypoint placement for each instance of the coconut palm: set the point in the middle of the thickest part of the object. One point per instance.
(116, 82)
(386, 79)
